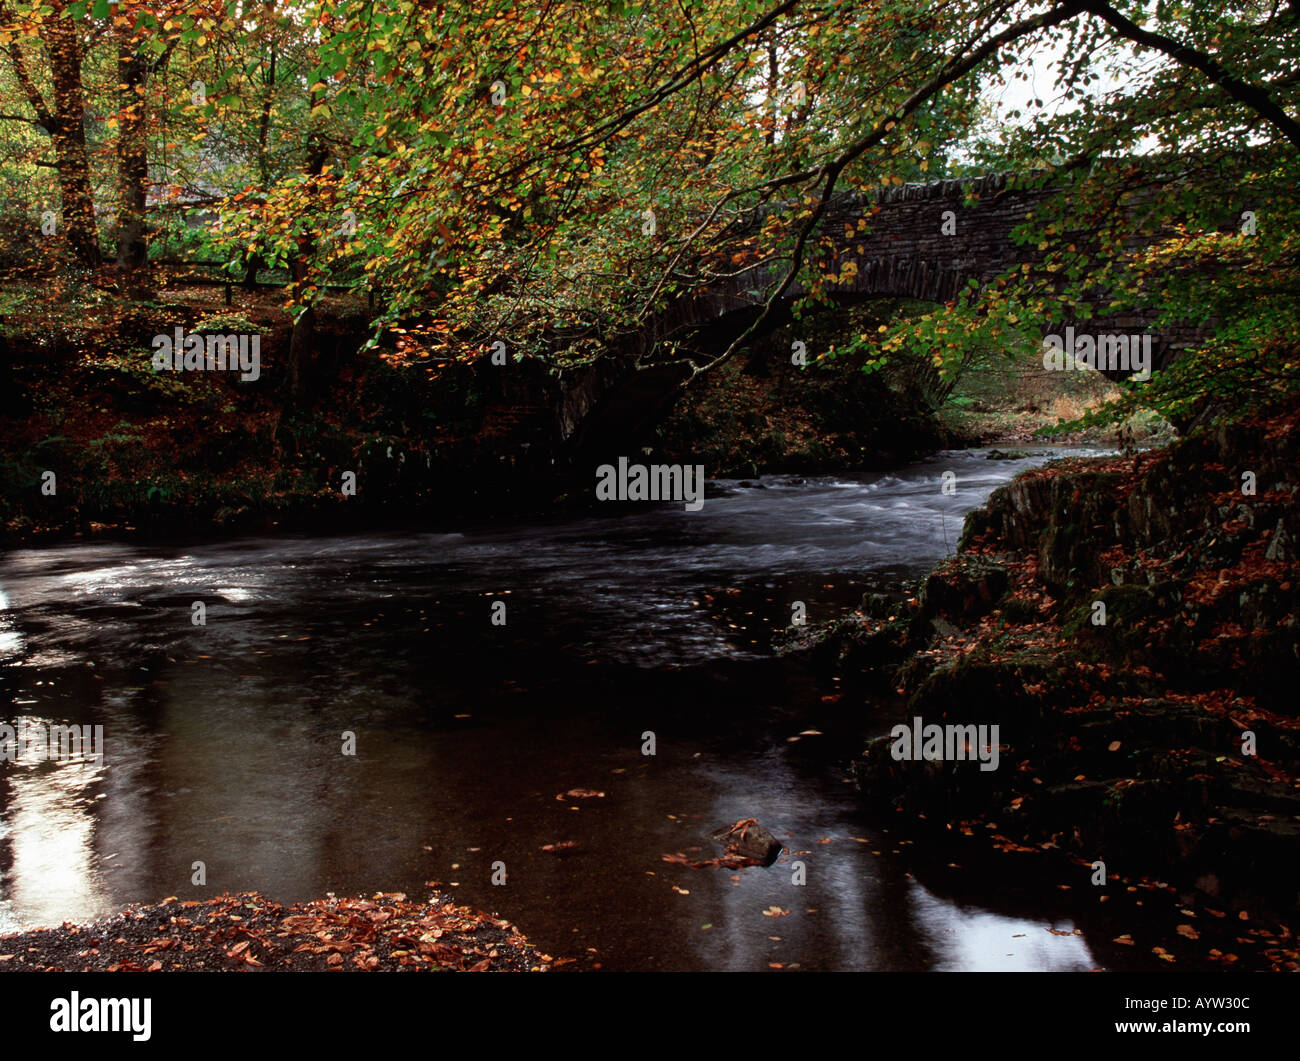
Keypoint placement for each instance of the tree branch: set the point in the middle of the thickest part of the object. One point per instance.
(30, 91)
(955, 68)
(1254, 97)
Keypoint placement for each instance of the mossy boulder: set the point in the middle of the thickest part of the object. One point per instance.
(963, 589)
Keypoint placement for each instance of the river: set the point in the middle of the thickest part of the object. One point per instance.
(223, 743)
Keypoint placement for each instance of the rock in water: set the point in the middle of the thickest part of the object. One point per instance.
(746, 837)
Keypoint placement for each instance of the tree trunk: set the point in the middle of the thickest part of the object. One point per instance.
(301, 343)
(132, 160)
(68, 129)
(132, 165)
(773, 80)
(8, 397)
(304, 328)
(253, 264)
(264, 122)
(303, 339)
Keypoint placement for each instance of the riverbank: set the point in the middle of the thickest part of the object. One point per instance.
(97, 444)
(1130, 625)
(247, 932)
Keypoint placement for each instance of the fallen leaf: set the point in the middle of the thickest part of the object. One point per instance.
(729, 860)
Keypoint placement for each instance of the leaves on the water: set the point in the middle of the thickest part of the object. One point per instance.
(580, 793)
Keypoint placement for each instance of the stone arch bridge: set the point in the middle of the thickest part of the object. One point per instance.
(904, 252)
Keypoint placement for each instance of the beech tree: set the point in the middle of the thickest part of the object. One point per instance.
(553, 174)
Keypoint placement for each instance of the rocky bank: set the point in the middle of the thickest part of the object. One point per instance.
(1130, 624)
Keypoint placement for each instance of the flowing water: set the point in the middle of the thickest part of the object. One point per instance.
(223, 743)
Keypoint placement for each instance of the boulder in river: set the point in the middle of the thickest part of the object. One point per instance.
(746, 837)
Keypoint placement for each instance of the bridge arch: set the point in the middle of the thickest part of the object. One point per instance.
(925, 242)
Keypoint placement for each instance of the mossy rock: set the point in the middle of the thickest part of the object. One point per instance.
(1000, 688)
(857, 649)
(964, 589)
(1131, 611)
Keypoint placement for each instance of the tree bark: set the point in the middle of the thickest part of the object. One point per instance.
(253, 262)
(132, 163)
(67, 126)
(303, 339)
(773, 79)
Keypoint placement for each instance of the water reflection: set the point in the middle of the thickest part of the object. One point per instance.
(11, 641)
(969, 940)
(49, 871)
